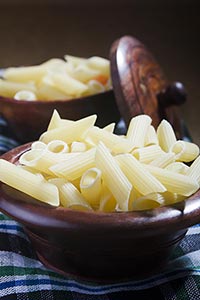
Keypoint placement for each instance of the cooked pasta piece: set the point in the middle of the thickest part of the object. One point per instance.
(9, 89)
(151, 137)
(84, 73)
(57, 146)
(185, 151)
(178, 167)
(54, 121)
(163, 160)
(147, 154)
(149, 201)
(140, 178)
(107, 200)
(25, 95)
(90, 186)
(25, 74)
(114, 178)
(28, 183)
(194, 170)
(70, 196)
(57, 122)
(174, 182)
(166, 135)
(112, 141)
(75, 166)
(46, 90)
(74, 131)
(100, 64)
(74, 60)
(137, 130)
(78, 147)
(68, 85)
(110, 127)
(38, 145)
(94, 87)
(171, 198)
(42, 159)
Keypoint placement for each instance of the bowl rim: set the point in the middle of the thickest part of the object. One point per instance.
(40, 215)
(56, 101)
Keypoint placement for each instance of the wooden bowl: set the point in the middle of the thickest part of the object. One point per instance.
(100, 246)
(28, 119)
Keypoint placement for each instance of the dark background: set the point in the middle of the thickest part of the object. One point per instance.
(33, 31)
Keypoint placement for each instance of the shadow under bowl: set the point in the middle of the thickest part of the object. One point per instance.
(99, 247)
(29, 119)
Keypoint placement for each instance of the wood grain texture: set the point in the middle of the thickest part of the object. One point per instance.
(138, 80)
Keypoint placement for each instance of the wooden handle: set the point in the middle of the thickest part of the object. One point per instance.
(174, 94)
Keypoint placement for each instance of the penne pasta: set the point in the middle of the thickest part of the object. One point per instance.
(68, 85)
(110, 127)
(147, 154)
(57, 122)
(185, 151)
(42, 159)
(94, 87)
(140, 178)
(28, 183)
(171, 198)
(38, 145)
(74, 131)
(75, 166)
(70, 196)
(112, 141)
(163, 160)
(57, 146)
(25, 74)
(100, 64)
(178, 167)
(74, 60)
(84, 73)
(85, 167)
(78, 147)
(151, 137)
(115, 180)
(166, 135)
(107, 200)
(149, 201)
(9, 89)
(47, 90)
(194, 170)
(91, 185)
(25, 95)
(137, 130)
(174, 182)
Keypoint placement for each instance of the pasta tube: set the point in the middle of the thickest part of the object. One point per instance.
(140, 178)
(115, 180)
(166, 135)
(28, 183)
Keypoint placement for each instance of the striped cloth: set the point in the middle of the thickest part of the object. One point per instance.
(24, 277)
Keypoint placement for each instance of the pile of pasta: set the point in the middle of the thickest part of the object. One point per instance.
(78, 165)
(57, 79)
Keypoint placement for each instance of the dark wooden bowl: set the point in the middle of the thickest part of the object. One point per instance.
(100, 246)
(28, 119)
